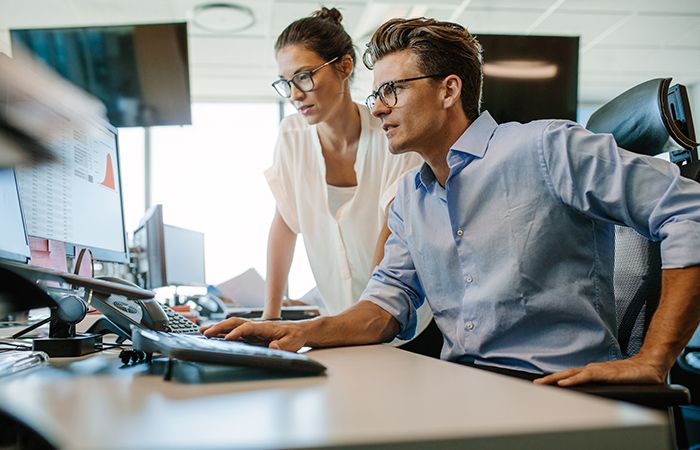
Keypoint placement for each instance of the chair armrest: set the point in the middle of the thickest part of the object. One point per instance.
(659, 396)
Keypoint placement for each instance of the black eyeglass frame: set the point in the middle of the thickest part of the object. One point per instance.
(288, 83)
(371, 99)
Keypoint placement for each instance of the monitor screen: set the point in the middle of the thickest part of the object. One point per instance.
(78, 199)
(14, 245)
(140, 72)
(184, 256)
(530, 77)
(167, 255)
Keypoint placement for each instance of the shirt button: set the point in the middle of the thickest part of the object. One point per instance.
(470, 325)
(469, 278)
(460, 232)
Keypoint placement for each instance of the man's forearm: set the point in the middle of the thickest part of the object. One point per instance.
(676, 317)
(363, 323)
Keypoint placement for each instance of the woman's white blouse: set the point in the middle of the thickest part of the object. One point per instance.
(340, 248)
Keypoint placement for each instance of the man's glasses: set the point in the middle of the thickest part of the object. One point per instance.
(386, 92)
(303, 81)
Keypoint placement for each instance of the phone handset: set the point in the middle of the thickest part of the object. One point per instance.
(121, 313)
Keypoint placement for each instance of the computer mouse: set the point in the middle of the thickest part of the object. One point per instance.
(257, 341)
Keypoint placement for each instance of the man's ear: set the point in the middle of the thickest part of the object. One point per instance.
(453, 91)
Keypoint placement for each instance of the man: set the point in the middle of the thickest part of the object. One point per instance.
(507, 230)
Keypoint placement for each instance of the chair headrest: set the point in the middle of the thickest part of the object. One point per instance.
(640, 119)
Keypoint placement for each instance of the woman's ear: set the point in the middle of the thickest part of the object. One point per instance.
(453, 91)
(345, 66)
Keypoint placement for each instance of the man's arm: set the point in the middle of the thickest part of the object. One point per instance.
(363, 323)
(671, 327)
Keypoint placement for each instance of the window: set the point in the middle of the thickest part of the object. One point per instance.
(209, 178)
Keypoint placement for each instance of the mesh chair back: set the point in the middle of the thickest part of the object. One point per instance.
(637, 283)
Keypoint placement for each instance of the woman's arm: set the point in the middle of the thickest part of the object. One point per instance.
(280, 252)
(381, 239)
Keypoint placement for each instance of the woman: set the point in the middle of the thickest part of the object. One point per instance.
(333, 177)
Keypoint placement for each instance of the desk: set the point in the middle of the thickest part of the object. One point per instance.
(372, 397)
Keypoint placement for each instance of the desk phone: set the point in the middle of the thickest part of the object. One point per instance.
(121, 313)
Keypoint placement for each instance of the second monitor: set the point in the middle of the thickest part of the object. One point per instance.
(168, 255)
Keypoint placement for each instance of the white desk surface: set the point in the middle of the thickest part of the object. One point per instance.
(371, 397)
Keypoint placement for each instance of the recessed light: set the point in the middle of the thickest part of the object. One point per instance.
(223, 17)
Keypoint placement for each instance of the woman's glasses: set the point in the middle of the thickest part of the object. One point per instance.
(304, 81)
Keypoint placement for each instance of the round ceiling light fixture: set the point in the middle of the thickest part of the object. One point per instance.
(223, 17)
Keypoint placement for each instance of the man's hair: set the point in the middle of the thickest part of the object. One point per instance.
(441, 48)
(321, 33)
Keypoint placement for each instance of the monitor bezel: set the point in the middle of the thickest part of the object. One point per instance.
(11, 256)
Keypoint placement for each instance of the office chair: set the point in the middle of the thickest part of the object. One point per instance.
(651, 119)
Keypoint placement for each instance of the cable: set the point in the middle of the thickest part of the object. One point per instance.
(79, 261)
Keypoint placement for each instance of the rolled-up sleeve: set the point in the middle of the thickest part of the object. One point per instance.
(590, 173)
(280, 178)
(394, 285)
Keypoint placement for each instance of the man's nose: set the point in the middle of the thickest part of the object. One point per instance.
(379, 109)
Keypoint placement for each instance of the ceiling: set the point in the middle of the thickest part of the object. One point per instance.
(623, 42)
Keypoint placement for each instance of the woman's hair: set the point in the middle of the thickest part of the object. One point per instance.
(321, 33)
(441, 47)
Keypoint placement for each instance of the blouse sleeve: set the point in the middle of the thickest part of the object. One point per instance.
(400, 165)
(280, 179)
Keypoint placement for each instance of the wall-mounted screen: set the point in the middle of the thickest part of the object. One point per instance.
(140, 72)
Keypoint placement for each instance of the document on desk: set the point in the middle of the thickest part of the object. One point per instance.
(14, 361)
(246, 290)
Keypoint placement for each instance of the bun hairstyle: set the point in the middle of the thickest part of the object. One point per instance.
(328, 14)
(321, 33)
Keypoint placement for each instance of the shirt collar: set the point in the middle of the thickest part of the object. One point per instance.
(476, 137)
(474, 141)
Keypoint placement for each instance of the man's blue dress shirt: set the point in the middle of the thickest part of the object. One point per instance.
(515, 255)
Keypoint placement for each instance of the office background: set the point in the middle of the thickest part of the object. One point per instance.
(208, 175)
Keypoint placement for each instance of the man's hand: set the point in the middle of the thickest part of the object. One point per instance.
(288, 336)
(634, 370)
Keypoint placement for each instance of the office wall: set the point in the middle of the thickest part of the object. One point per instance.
(5, 41)
(694, 97)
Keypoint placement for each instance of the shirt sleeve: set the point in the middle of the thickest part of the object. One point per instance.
(280, 178)
(394, 285)
(401, 164)
(592, 174)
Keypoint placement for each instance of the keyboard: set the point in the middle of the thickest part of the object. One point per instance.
(177, 323)
(286, 313)
(188, 347)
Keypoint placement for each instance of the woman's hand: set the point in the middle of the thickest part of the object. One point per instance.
(293, 302)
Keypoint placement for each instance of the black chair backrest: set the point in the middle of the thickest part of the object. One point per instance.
(644, 120)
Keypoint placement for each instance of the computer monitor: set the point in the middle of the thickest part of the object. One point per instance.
(78, 199)
(140, 72)
(184, 256)
(530, 77)
(168, 255)
(14, 244)
(149, 248)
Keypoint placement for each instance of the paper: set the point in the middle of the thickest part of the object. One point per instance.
(246, 290)
(17, 361)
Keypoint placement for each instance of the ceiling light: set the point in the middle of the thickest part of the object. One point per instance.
(223, 17)
(528, 70)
